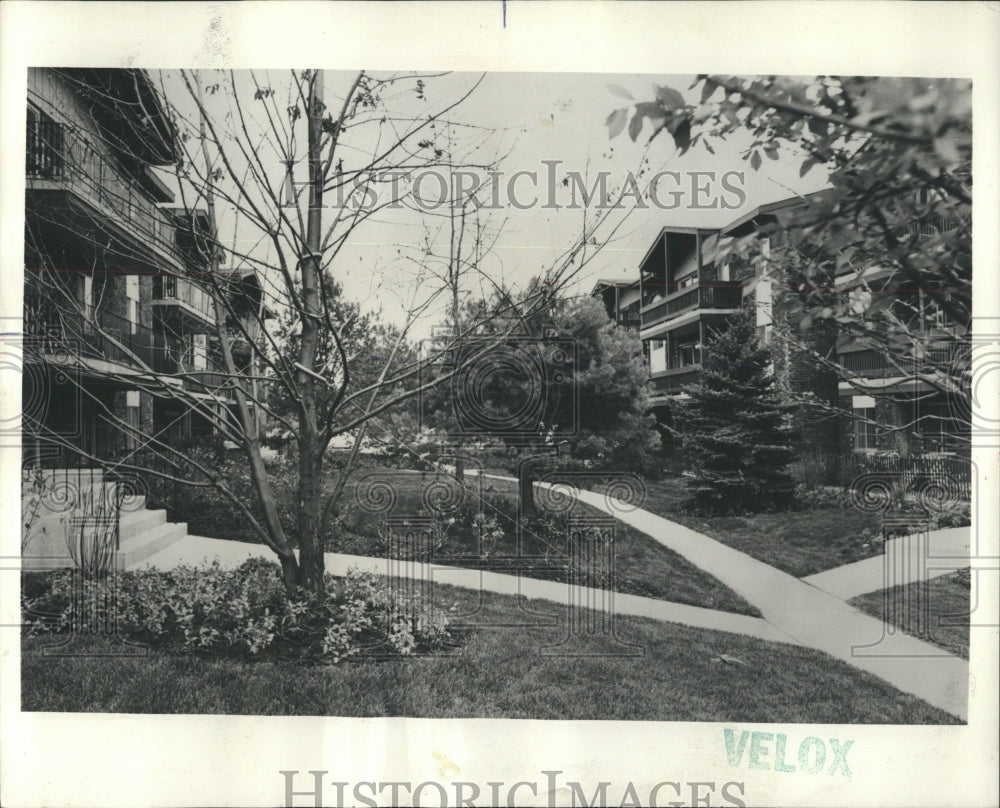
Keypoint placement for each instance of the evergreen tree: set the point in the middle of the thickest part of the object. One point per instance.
(734, 428)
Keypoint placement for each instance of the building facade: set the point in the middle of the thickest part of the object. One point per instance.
(863, 400)
(118, 308)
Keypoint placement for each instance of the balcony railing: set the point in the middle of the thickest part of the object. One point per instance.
(170, 289)
(57, 154)
(920, 230)
(673, 380)
(108, 337)
(714, 295)
(870, 363)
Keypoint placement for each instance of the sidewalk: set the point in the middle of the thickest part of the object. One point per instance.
(797, 611)
(948, 551)
(230, 554)
(812, 617)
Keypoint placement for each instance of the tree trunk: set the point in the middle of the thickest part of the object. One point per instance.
(526, 492)
(310, 492)
(460, 470)
(311, 446)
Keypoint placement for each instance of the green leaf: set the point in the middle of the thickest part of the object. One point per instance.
(620, 91)
(616, 122)
(755, 160)
(806, 166)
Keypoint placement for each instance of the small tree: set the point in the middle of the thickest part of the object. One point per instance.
(734, 428)
(587, 390)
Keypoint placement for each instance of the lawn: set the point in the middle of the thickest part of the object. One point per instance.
(947, 597)
(800, 543)
(497, 672)
(642, 565)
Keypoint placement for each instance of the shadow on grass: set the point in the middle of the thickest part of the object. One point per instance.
(684, 674)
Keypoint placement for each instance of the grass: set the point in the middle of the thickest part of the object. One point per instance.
(948, 599)
(800, 543)
(496, 673)
(642, 565)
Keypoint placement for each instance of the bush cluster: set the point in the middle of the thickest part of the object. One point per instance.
(243, 612)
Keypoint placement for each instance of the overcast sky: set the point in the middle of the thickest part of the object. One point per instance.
(536, 117)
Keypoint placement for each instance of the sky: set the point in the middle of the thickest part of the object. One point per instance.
(531, 119)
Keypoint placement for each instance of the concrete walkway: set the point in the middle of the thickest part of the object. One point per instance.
(794, 610)
(811, 616)
(948, 550)
(230, 554)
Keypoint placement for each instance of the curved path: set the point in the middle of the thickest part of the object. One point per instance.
(230, 554)
(808, 615)
(794, 611)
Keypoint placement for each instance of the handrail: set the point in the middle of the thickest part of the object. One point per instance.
(55, 152)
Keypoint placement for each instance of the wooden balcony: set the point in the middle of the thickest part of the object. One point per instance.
(869, 363)
(714, 296)
(189, 300)
(671, 381)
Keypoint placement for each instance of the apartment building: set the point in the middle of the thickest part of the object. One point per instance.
(865, 401)
(118, 314)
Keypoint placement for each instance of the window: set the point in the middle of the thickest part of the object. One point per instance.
(132, 294)
(688, 353)
(864, 429)
(132, 419)
(44, 146)
(87, 296)
(199, 351)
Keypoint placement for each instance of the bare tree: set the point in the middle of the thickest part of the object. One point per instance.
(287, 342)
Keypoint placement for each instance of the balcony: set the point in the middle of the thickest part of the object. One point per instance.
(105, 337)
(671, 381)
(908, 233)
(716, 295)
(58, 160)
(193, 303)
(875, 364)
(67, 334)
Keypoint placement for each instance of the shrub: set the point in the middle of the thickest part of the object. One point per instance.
(954, 514)
(243, 612)
(824, 497)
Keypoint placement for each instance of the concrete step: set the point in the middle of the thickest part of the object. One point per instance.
(143, 545)
(132, 523)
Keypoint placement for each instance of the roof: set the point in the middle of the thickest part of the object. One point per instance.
(771, 207)
(621, 283)
(132, 112)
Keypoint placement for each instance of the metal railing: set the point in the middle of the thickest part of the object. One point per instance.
(55, 152)
(170, 287)
(922, 230)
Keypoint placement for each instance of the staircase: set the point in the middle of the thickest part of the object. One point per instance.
(142, 533)
(69, 494)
